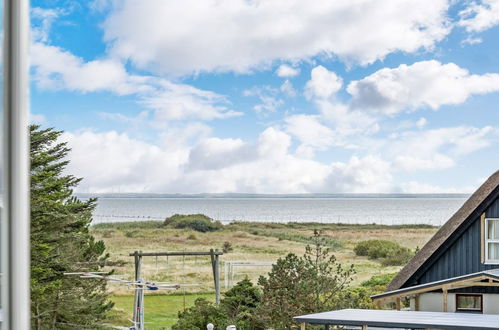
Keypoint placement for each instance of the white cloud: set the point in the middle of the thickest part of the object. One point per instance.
(38, 119)
(423, 84)
(41, 22)
(286, 71)
(126, 164)
(323, 83)
(268, 96)
(414, 187)
(310, 132)
(179, 101)
(288, 89)
(440, 149)
(480, 16)
(421, 122)
(56, 69)
(214, 153)
(415, 162)
(184, 37)
(116, 162)
(360, 175)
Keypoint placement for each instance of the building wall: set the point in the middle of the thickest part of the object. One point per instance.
(462, 257)
(433, 302)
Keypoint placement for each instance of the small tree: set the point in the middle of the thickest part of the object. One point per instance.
(199, 315)
(296, 285)
(236, 308)
(240, 303)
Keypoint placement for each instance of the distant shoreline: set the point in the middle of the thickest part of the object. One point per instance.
(242, 195)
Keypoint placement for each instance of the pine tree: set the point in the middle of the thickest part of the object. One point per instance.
(61, 242)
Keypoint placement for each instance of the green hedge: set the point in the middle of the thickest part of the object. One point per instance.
(197, 222)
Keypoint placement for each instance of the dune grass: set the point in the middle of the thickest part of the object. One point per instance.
(258, 243)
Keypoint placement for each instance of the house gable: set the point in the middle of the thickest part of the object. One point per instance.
(456, 248)
(462, 256)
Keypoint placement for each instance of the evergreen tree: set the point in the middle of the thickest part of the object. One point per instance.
(61, 242)
(314, 283)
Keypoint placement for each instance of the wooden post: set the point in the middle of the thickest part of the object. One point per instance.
(217, 281)
(446, 300)
(364, 327)
(216, 275)
(416, 303)
(327, 327)
(136, 300)
(397, 303)
(302, 326)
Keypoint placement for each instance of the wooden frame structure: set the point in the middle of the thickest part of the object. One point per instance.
(481, 279)
(214, 256)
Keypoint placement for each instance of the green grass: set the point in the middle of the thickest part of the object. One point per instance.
(160, 310)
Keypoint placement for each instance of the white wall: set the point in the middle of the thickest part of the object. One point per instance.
(491, 303)
(433, 302)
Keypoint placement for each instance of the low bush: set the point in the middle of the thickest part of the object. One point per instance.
(398, 258)
(390, 253)
(197, 222)
(376, 281)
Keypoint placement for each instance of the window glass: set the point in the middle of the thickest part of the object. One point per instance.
(469, 302)
(492, 229)
(493, 249)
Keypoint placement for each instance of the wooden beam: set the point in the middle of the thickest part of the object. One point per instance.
(302, 326)
(416, 303)
(397, 303)
(482, 238)
(446, 300)
(455, 285)
(174, 253)
(364, 327)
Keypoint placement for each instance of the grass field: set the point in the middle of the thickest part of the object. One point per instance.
(256, 243)
(160, 310)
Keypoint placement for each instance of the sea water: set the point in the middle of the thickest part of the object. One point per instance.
(351, 210)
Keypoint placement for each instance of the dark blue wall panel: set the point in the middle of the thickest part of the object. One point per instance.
(462, 257)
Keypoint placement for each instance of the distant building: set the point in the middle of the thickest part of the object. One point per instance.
(458, 269)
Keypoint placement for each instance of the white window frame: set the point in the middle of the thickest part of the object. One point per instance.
(14, 220)
(487, 241)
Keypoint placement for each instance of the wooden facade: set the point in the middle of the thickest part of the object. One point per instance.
(462, 253)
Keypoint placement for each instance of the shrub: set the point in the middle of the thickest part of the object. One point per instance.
(197, 222)
(227, 247)
(131, 234)
(199, 315)
(377, 281)
(390, 253)
(191, 237)
(398, 258)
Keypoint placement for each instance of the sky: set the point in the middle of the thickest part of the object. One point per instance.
(270, 96)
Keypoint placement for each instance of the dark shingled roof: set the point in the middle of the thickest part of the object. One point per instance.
(445, 231)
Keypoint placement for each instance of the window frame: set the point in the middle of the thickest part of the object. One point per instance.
(468, 310)
(487, 241)
(15, 214)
